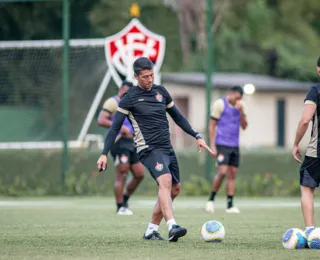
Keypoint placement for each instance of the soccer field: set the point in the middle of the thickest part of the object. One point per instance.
(87, 228)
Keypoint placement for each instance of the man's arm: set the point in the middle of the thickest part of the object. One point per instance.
(109, 107)
(104, 119)
(123, 109)
(243, 121)
(212, 132)
(243, 118)
(113, 132)
(181, 121)
(308, 111)
(307, 114)
(215, 114)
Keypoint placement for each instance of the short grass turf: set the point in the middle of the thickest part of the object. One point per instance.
(88, 228)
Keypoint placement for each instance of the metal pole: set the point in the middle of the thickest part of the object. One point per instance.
(65, 87)
(209, 82)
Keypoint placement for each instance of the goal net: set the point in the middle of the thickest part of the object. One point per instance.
(31, 92)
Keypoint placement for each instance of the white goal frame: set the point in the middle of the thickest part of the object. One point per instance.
(83, 139)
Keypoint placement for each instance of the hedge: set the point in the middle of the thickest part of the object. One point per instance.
(38, 173)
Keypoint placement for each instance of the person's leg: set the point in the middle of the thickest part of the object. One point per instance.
(231, 184)
(222, 163)
(175, 188)
(157, 216)
(137, 170)
(309, 180)
(231, 179)
(307, 205)
(164, 168)
(122, 170)
(217, 181)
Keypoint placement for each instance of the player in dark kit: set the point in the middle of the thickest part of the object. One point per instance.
(146, 106)
(310, 168)
(123, 152)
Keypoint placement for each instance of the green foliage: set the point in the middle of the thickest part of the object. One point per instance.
(248, 31)
(38, 174)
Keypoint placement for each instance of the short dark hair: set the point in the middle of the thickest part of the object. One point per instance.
(318, 62)
(142, 63)
(127, 83)
(237, 89)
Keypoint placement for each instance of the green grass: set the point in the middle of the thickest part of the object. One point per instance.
(87, 228)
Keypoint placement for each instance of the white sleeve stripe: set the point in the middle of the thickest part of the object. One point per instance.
(170, 105)
(310, 102)
(123, 111)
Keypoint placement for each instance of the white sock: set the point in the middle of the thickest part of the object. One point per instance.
(309, 227)
(170, 223)
(151, 227)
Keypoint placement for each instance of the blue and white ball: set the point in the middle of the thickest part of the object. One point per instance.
(307, 232)
(314, 239)
(294, 238)
(213, 231)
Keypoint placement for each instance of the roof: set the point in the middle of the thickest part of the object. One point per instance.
(226, 80)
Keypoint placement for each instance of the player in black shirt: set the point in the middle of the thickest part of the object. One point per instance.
(146, 106)
(310, 168)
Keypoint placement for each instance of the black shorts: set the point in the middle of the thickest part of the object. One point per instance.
(159, 162)
(124, 151)
(228, 155)
(310, 172)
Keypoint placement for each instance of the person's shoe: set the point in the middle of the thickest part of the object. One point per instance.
(124, 211)
(175, 232)
(153, 236)
(210, 207)
(233, 210)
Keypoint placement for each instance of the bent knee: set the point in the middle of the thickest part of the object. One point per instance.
(123, 169)
(175, 190)
(232, 175)
(165, 181)
(139, 176)
(221, 173)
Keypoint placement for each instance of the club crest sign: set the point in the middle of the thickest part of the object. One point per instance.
(134, 41)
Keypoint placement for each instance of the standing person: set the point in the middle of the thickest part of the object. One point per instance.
(146, 106)
(123, 152)
(227, 116)
(310, 168)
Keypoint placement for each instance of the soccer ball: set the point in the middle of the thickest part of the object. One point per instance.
(308, 232)
(314, 239)
(294, 238)
(212, 231)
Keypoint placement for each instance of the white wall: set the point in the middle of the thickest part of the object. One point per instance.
(261, 114)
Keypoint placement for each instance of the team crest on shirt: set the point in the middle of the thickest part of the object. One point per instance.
(124, 158)
(159, 167)
(159, 97)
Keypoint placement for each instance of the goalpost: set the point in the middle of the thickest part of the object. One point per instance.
(40, 59)
(9, 88)
(52, 88)
(32, 68)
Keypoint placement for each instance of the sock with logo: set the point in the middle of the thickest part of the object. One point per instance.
(151, 227)
(170, 223)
